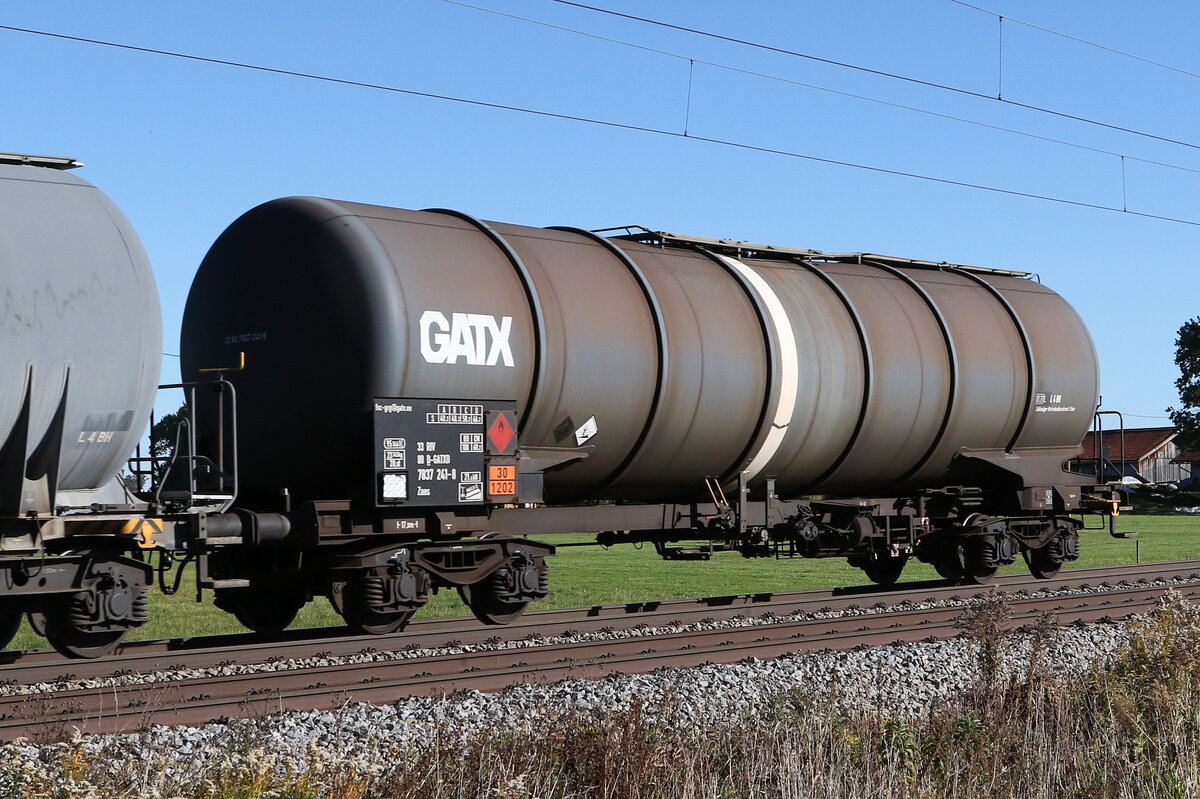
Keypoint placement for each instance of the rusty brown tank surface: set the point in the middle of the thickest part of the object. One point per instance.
(673, 359)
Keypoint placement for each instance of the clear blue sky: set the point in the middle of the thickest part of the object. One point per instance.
(184, 147)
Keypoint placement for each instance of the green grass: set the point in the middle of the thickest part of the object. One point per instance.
(592, 576)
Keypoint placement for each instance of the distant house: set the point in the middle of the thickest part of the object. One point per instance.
(1149, 455)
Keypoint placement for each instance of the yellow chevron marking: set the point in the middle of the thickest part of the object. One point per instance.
(145, 530)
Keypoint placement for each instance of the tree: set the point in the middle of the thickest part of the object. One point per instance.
(162, 443)
(164, 432)
(1187, 357)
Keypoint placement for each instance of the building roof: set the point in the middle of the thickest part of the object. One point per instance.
(1140, 443)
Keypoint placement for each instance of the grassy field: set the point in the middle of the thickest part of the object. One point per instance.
(591, 575)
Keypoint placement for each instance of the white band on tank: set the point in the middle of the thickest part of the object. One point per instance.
(787, 367)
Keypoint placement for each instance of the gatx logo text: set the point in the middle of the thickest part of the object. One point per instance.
(472, 338)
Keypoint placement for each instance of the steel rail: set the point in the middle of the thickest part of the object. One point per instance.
(201, 699)
(47, 666)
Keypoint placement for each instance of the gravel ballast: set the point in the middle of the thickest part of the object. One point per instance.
(279, 664)
(903, 680)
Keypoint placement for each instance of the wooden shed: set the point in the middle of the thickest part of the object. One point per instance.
(1150, 455)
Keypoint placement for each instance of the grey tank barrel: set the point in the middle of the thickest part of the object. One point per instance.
(833, 374)
(82, 336)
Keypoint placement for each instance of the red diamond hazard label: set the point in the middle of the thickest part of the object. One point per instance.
(502, 433)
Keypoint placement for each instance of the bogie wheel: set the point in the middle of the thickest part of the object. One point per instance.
(886, 570)
(260, 610)
(1041, 564)
(371, 623)
(10, 621)
(68, 636)
(364, 620)
(980, 574)
(481, 599)
(979, 560)
(979, 552)
(949, 562)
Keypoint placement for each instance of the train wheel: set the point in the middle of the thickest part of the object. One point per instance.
(982, 557)
(362, 618)
(1041, 563)
(258, 609)
(488, 608)
(886, 570)
(67, 632)
(980, 574)
(371, 623)
(978, 566)
(10, 621)
(949, 562)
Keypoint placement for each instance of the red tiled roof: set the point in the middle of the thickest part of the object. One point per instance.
(1139, 442)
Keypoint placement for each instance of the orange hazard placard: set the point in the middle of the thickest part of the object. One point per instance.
(502, 480)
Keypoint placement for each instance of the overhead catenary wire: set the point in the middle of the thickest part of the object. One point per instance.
(693, 61)
(678, 134)
(879, 72)
(1079, 39)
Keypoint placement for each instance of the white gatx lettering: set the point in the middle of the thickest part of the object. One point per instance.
(500, 349)
(476, 339)
(434, 335)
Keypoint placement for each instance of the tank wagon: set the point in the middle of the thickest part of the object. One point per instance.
(423, 394)
(82, 344)
(381, 403)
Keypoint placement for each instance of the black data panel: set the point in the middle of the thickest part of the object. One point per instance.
(432, 452)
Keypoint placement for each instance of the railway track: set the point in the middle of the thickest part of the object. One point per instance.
(325, 669)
